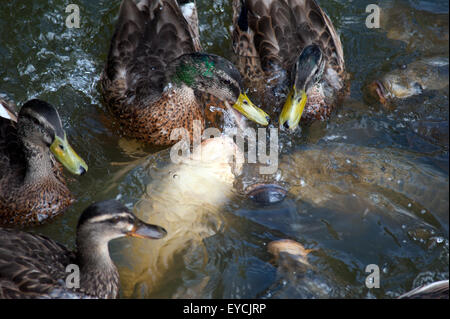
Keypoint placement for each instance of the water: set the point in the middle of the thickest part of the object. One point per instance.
(368, 187)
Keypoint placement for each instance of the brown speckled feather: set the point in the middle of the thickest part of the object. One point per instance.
(148, 36)
(23, 204)
(268, 37)
(31, 265)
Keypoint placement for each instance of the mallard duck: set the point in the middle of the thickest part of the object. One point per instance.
(32, 185)
(34, 266)
(156, 79)
(290, 54)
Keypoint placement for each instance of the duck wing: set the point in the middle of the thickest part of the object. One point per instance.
(7, 110)
(11, 155)
(31, 265)
(147, 37)
(276, 31)
(435, 290)
(189, 10)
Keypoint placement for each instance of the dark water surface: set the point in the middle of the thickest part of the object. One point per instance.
(368, 187)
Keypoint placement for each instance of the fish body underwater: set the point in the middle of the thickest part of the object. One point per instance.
(187, 199)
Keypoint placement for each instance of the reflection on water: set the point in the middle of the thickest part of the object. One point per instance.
(368, 187)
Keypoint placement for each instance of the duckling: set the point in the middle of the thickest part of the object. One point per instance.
(289, 53)
(156, 79)
(32, 185)
(34, 266)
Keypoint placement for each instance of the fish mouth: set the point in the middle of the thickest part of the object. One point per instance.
(379, 88)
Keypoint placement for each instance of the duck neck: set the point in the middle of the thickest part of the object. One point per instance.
(276, 88)
(39, 163)
(98, 274)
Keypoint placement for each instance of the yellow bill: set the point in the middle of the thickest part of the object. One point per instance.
(65, 154)
(293, 108)
(251, 111)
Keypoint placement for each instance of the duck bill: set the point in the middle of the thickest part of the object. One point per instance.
(293, 109)
(65, 154)
(251, 111)
(379, 90)
(143, 230)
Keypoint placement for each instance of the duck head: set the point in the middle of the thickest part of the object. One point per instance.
(107, 220)
(306, 72)
(217, 76)
(40, 127)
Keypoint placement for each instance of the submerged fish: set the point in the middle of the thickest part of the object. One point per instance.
(295, 250)
(292, 258)
(412, 79)
(186, 198)
(420, 30)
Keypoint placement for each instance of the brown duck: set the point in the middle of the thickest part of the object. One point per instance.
(156, 79)
(34, 266)
(32, 185)
(290, 54)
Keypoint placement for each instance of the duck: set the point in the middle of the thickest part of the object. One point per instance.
(34, 266)
(291, 56)
(157, 79)
(32, 184)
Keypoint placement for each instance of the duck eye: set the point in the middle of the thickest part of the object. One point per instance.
(115, 219)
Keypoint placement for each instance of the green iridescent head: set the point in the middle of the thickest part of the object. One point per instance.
(217, 76)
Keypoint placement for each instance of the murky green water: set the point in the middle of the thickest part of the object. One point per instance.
(368, 187)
